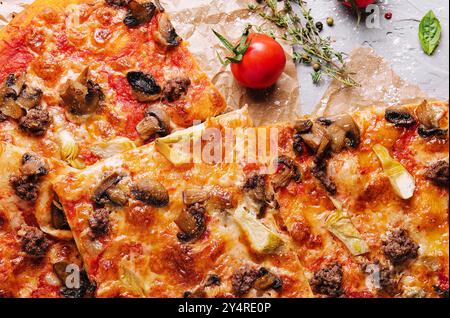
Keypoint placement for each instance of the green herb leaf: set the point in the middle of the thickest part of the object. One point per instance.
(238, 51)
(430, 32)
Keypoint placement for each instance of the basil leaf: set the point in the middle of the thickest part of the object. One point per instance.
(429, 32)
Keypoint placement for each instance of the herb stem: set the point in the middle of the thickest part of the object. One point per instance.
(301, 32)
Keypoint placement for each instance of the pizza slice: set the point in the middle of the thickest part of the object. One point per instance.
(369, 214)
(37, 255)
(82, 80)
(149, 225)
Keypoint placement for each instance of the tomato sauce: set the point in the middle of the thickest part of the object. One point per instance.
(401, 150)
(15, 57)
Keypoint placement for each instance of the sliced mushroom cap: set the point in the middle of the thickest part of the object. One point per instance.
(199, 291)
(33, 165)
(155, 123)
(139, 13)
(303, 126)
(9, 92)
(343, 131)
(59, 220)
(317, 140)
(29, 97)
(82, 96)
(195, 195)
(399, 116)
(267, 280)
(118, 3)
(255, 187)
(103, 191)
(429, 116)
(10, 108)
(148, 128)
(286, 172)
(150, 192)
(144, 86)
(120, 193)
(191, 222)
(431, 132)
(165, 35)
(13, 85)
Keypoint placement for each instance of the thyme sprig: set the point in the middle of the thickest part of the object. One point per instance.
(301, 32)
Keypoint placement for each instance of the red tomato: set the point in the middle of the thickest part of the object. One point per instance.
(262, 63)
(360, 3)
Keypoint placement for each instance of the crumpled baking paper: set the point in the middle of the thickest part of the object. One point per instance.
(194, 21)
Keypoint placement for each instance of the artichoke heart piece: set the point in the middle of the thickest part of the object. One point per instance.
(401, 180)
(340, 224)
(177, 147)
(69, 149)
(131, 281)
(112, 147)
(262, 239)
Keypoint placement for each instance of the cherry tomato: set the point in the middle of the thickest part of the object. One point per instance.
(359, 3)
(262, 63)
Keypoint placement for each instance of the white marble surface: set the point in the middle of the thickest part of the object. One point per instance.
(396, 40)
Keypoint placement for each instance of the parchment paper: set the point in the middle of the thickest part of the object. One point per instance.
(380, 86)
(195, 19)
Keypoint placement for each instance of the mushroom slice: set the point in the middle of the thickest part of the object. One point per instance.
(33, 165)
(59, 220)
(13, 85)
(150, 192)
(144, 86)
(165, 35)
(9, 92)
(29, 97)
(399, 116)
(155, 123)
(118, 3)
(200, 290)
(317, 139)
(81, 96)
(139, 13)
(303, 126)
(267, 280)
(429, 115)
(259, 196)
(195, 195)
(287, 171)
(102, 192)
(343, 131)
(191, 222)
